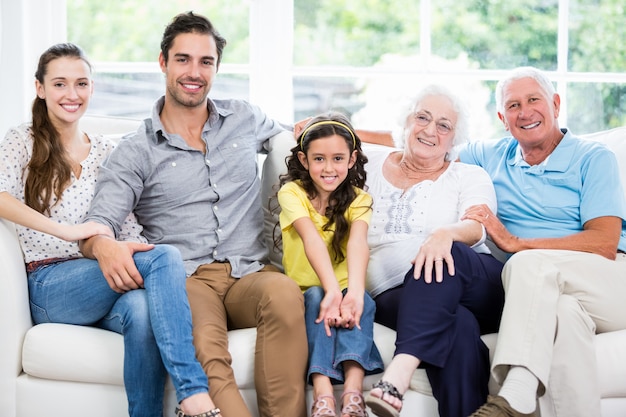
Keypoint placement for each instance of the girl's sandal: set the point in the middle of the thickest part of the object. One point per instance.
(355, 405)
(212, 413)
(323, 406)
(381, 407)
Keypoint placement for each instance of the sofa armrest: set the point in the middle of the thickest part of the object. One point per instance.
(14, 314)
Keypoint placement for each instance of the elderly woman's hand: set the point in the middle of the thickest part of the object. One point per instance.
(433, 254)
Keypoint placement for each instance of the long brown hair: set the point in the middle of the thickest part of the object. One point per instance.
(49, 170)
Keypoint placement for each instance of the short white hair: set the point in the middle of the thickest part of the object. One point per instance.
(517, 74)
(461, 129)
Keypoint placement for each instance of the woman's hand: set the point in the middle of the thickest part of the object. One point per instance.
(351, 309)
(83, 231)
(433, 254)
(329, 310)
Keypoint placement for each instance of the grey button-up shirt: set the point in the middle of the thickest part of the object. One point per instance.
(205, 204)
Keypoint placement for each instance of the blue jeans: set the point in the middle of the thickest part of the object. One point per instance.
(326, 354)
(155, 321)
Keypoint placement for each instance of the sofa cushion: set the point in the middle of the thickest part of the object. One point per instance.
(85, 354)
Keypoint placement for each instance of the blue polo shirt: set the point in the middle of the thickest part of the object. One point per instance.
(578, 182)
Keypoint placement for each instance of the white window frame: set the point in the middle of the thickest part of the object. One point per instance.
(29, 26)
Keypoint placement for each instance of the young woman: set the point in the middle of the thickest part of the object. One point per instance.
(324, 219)
(48, 171)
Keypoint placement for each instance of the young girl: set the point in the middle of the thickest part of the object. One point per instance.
(324, 219)
(48, 171)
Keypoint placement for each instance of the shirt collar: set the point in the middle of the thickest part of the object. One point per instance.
(557, 161)
(216, 110)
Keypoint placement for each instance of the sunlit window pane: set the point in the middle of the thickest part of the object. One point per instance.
(133, 94)
(597, 31)
(354, 32)
(497, 34)
(130, 30)
(313, 95)
(595, 106)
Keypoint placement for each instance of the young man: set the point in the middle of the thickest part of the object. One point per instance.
(190, 176)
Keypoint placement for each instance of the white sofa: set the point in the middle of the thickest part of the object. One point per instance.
(62, 370)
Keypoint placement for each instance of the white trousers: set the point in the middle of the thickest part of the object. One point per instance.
(556, 301)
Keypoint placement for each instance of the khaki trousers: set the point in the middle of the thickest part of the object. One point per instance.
(556, 301)
(269, 301)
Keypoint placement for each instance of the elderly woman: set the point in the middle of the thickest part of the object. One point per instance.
(452, 292)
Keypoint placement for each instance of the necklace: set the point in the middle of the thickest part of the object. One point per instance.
(416, 174)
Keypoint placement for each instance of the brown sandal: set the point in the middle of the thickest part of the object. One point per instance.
(355, 407)
(323, 406)
(212, 413)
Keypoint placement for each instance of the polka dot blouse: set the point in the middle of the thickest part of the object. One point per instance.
(15, 152)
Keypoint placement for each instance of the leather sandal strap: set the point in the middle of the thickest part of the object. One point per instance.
(388, 388)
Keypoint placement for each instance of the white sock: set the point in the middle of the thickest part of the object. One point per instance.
(520, 389)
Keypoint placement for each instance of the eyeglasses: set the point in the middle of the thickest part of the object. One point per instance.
(423, 119)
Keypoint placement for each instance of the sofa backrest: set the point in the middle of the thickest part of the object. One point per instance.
(615, 139)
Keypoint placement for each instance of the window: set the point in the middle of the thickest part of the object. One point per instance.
(365, 57)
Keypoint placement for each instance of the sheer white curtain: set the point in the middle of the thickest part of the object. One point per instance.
(27, 28)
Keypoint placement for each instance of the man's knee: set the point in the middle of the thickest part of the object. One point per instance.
(283, 299)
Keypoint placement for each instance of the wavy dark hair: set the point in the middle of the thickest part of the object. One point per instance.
(49, 169)
(191, 23)
(341, 198)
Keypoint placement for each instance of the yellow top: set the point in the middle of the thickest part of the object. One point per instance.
(295, 204)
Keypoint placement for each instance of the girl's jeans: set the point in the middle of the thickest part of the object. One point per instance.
(155, 321)
(326, 354)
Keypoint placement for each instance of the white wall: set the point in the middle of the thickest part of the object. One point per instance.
(27, 28)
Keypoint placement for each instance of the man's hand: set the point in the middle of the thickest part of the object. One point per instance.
(494, 228)
(117, 264)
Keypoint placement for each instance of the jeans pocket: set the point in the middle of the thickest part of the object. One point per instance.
(38, 314)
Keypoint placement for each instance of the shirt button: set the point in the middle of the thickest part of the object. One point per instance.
(215, 208)
(234, 145)
(215, 254)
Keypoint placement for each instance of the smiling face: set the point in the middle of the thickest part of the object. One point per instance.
(328, 160)
(530, 114)
(430, 129)
(67, 88)
(190, 69)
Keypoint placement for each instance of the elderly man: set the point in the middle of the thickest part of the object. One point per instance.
(561, 214)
